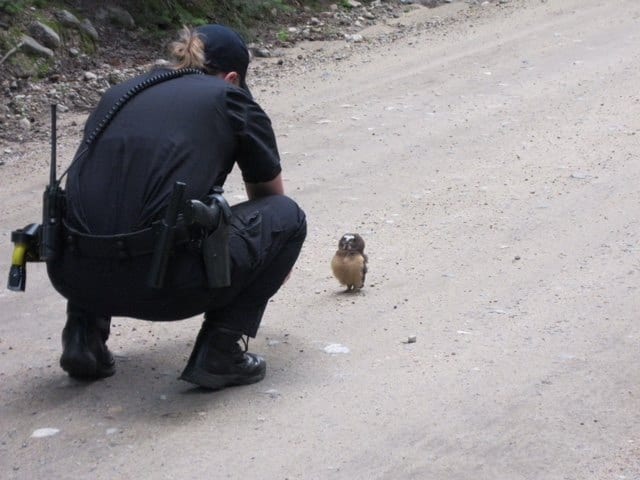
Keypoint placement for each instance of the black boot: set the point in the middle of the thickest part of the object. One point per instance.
(84, 351)
(217, 361)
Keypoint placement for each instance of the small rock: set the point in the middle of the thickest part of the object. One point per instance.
(45, 35)
(67, 19)
(25, 124)
(115, 77)
(120, 16)
(355, 38)
(336, 348)
(272, 392)
(89, 76)
(44, 432)
(87, 27)
(261, 52)
(412, 339)
(29, 44)
(579, 175)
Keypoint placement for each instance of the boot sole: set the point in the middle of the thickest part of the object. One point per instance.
(80, 368)
(218, 382)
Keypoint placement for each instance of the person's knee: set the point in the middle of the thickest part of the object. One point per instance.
(283, 204)
(301, 232)
(300, 222)
(290, 215)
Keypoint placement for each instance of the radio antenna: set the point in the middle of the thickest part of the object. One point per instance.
(54, 135)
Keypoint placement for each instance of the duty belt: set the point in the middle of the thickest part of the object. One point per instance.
(121, 246)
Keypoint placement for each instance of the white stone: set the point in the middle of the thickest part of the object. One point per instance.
(44, 432)
(336, 348)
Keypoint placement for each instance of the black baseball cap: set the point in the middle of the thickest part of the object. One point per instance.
(225, 50)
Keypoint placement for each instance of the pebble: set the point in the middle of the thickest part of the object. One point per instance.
(336, 348)
(579, 175)
(355, 38)
(272, 392)
(261, 52)
(412, 339)
(25, 124)
(44, 432)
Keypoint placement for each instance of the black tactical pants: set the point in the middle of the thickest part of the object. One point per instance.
(265, 238)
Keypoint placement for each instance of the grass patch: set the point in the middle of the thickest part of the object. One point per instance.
(12, 7)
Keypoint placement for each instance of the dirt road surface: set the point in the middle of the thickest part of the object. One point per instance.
(493, 169)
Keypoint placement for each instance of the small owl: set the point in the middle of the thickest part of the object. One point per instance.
(349, 264)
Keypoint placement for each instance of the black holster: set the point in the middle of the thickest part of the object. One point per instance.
(213, 218)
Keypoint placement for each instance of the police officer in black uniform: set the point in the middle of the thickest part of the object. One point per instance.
(193, 128)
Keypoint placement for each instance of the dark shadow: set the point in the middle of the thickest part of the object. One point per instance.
(145, 386)
(350, 293)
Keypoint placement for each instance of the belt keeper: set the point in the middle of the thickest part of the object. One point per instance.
(122, 250)
(71, 243)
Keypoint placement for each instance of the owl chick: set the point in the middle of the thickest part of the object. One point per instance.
(349, 264)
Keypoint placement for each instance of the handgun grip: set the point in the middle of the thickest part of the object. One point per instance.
(197, 213)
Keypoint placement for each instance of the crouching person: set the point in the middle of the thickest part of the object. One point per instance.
(190, 123)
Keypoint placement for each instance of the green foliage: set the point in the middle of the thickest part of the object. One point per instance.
(43, 67)
(9, 39)
(283, 35)
(86, 43)
(171, 14)
(244, 15)
(187, 18)
(12, 7)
